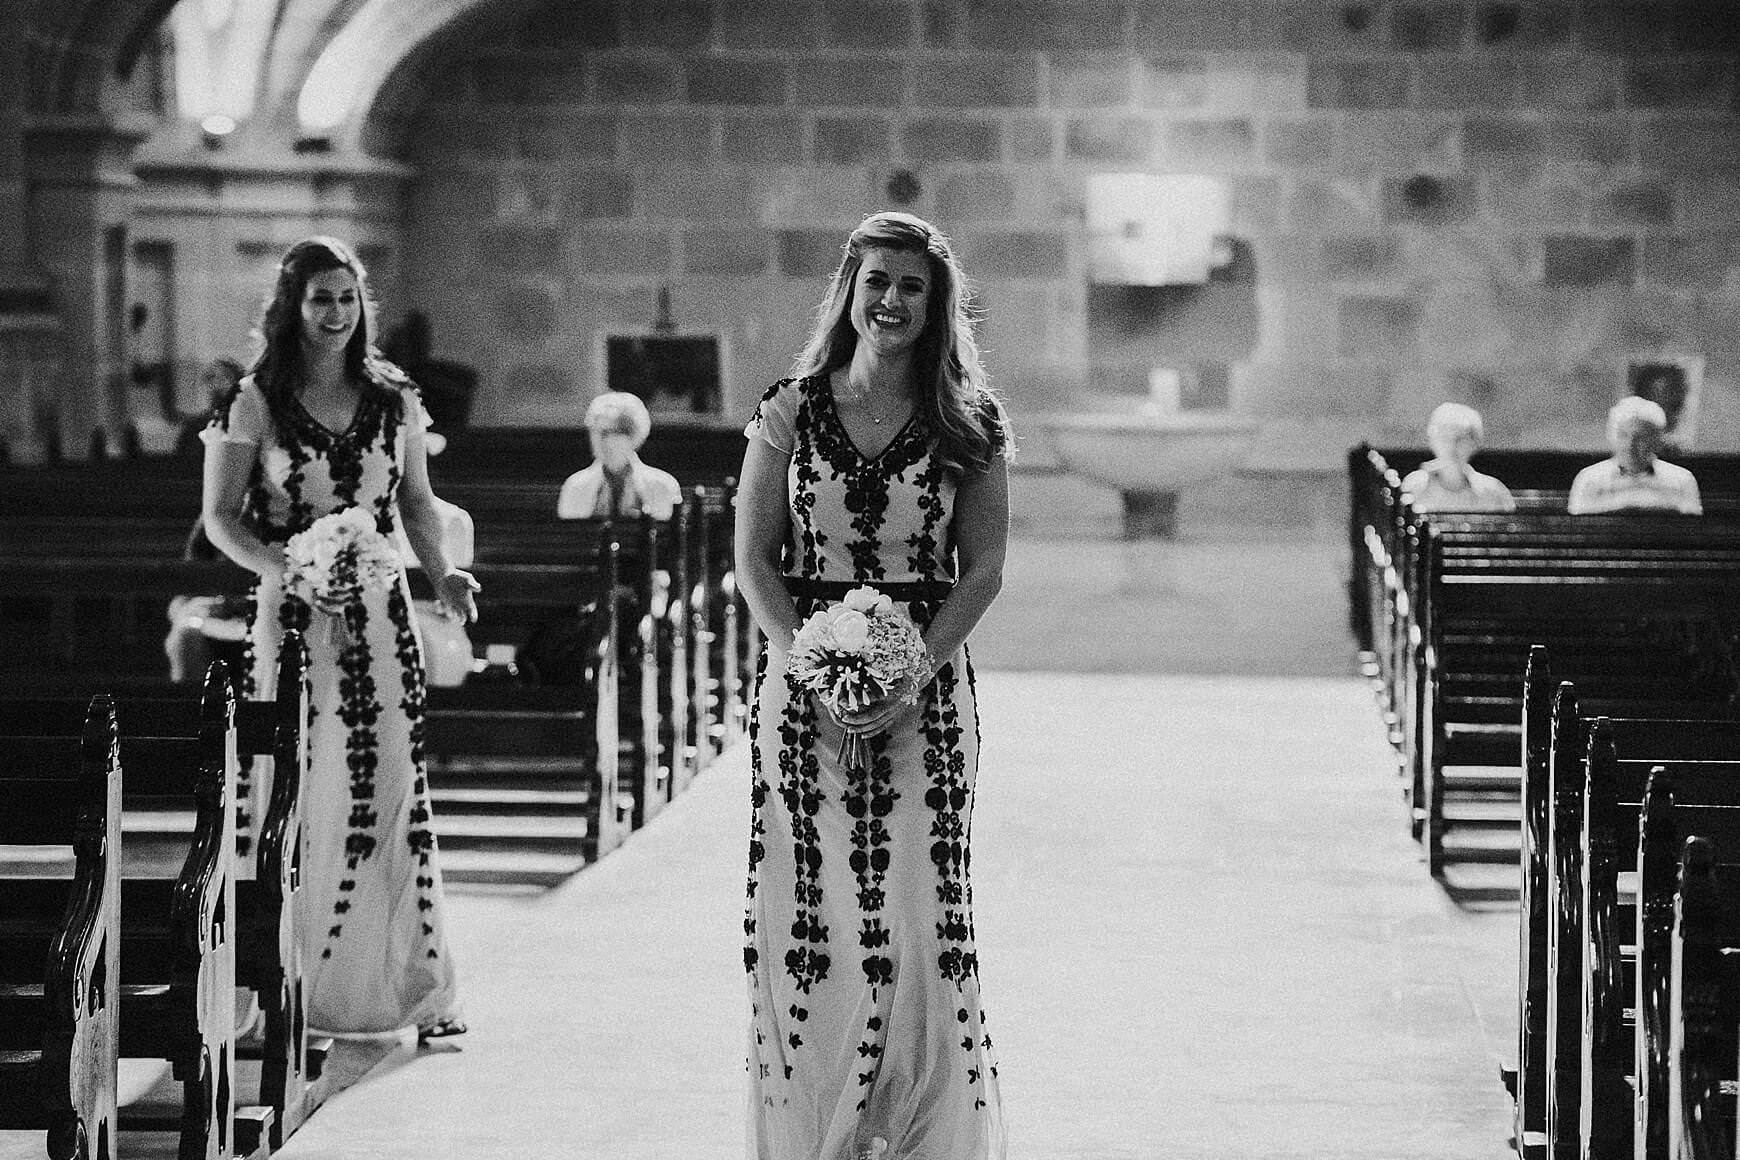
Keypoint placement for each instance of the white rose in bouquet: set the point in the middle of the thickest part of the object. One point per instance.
(868, 601)
(851, 629)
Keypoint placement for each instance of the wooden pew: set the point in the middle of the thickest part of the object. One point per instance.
(1703, 1005)
(178, 979)
(1536, 471)
(269, 937)
(519, 598)
(1636, 612)
(1462, 596)
(718, 630)
(1391, 583)
(60, 1012)
(74, 601)
(1618, 958)
(177, 947)
(609, 615)
(1583, 794)
(1681, 802)
(696, 449)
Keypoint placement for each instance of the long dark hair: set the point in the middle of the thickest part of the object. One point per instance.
(953, 395)
(278, 370)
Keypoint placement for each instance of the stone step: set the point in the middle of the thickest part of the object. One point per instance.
(538, 870)
(507, 763)
(1480, 780)
(1482, 815)
(496, 800)
(1456, 852)
(568, 835)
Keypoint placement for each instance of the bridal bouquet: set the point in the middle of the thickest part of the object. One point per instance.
(338, 558)
(856, 652)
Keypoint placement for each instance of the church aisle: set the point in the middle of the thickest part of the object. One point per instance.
(1203, 929)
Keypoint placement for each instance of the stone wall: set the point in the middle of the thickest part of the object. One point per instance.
(1498, 202)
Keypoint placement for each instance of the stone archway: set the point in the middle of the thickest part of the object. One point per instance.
(337, 95)
(80, 196)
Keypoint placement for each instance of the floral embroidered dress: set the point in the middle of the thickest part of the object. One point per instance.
(377, 959)
(867, 1037)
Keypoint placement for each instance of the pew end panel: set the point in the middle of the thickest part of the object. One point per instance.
(1534, 905)
(1704, 1003)
(271, 937)
(60, 1012)
(179, 968)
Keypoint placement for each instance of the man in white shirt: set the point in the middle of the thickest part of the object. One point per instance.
(1634, 479)
(617, 483)
(1445, 483)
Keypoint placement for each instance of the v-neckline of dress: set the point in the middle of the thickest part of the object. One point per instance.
(356, 415)
(840, 425)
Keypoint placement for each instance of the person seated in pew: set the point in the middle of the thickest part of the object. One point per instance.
(447, 648)
(204, 628)
(1445, 483)
(1634, 479)
(617, 482)
(219, 378)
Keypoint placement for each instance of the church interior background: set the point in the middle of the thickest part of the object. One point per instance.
(1265, 229)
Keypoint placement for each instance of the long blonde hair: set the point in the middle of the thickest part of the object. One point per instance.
(952, 394)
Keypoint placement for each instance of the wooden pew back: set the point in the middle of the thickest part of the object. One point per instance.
(1703, 1004)
(60, 1010)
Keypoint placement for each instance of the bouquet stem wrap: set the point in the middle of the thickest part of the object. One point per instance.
(855, 653)
(854, 752)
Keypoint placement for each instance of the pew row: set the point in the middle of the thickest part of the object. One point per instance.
(269, 934)
(176, 949)
(60, 1011)
(518, 773)
(1590, 952)
(1702, 1007)
(1637, 612)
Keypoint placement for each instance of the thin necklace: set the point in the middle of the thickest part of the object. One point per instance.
(861, 398)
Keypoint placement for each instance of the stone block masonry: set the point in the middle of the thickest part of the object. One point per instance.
(1398, 175)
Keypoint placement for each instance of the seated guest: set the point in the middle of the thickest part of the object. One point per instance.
(617, 483)
(447, 647)
(204, 628)
(1446, 483)
(1634, 479)
(218, 379)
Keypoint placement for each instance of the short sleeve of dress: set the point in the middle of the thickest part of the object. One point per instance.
(775, 416)
(243, 420)
(995, 420)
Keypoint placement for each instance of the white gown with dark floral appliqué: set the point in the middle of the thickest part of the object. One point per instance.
(377, 958)
(867, 1037)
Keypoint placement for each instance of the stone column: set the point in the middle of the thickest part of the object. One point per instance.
(79, 184)
(29, 330)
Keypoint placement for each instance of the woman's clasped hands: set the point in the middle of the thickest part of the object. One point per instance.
(879, 716)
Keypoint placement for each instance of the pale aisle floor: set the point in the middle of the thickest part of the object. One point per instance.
(1203, 929)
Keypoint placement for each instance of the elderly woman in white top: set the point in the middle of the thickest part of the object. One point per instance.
(1446, 482)
(1634, 479)
(617, 483)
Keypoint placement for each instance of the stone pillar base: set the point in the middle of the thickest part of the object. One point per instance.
(1150, 515)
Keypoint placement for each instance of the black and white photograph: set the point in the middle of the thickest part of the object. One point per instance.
(869, 579)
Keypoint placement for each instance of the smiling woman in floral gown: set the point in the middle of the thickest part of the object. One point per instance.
(881, 462)
(320, 424)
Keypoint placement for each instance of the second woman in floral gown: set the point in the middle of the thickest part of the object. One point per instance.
(880, 463)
